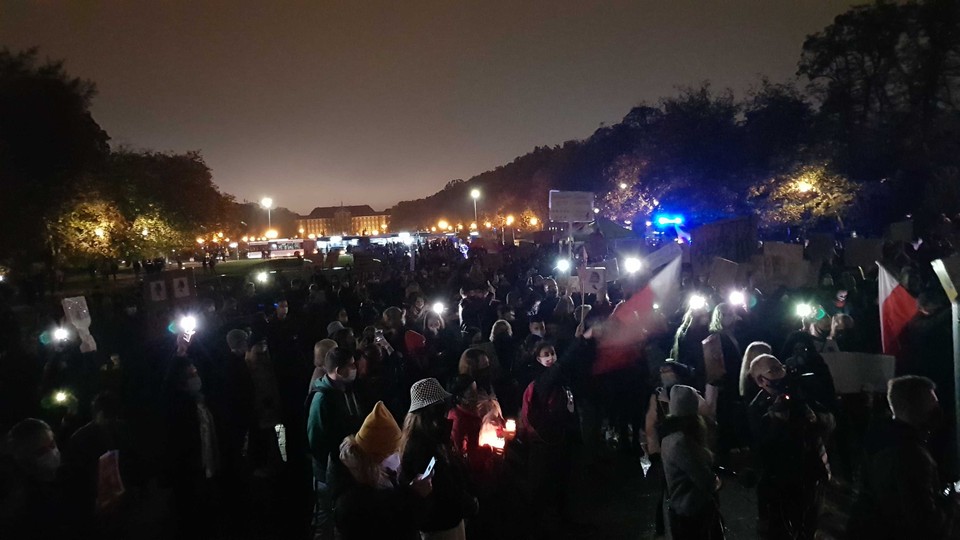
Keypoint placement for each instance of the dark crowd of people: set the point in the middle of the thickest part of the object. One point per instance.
(454, 400)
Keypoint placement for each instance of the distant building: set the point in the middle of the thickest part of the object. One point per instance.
(343, 221)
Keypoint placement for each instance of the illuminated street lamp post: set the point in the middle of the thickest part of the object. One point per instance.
(475, 194)
(267, 203)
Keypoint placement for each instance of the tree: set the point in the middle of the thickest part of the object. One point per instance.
(88, 229)
(48, 139)
(803, 197)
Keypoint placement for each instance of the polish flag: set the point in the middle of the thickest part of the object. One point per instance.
(633, 320)
(897, 307)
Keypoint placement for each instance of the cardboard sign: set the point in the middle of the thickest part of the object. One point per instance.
(174, 286)
(901, 231)
(821, 247)
(862, 252)
(723, 274)
(592, 280)
(612, 268)
(77, 314)
(571, 206)
(732, 239)
(713, 358)
(859, 372)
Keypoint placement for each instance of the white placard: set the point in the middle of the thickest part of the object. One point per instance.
(571, 206)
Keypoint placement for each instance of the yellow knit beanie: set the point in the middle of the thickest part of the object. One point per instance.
(379, 436)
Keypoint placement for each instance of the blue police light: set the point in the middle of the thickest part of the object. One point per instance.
(665, 219)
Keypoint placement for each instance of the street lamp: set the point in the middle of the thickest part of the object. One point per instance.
(475, 194)
(267, 203)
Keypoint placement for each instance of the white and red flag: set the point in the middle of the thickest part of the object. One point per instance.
(897, 307)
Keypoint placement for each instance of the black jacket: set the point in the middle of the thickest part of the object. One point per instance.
(899, 494)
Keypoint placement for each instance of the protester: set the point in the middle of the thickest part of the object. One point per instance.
(901, 494)
(788, 433)
(687, 464)
(30, 499)
(426, 439)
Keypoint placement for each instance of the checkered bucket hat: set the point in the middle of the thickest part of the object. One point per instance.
(426, 392)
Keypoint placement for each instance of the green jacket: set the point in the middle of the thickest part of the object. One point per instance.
(334, 414)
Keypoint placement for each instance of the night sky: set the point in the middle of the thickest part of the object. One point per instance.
(372, 102)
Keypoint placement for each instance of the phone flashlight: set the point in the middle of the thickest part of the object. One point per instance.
(632, 265)
(737, 298)
(61, 334)
(188, 324)
(563, 265)
(60, 397)
(805, 311)
(438, 308)
(262, 277)
(697, 302)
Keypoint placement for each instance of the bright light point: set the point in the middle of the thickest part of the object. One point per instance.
(563, 265)
(199, 240)
(534, 221)
(144, 232)
(488, 225)
(245, 239)
(188, 324)
(300, 230)
(266, 202)
(475, 193)
(233, 245)
(596, 210)
(443, 224)
(623, 185)
(805, 311)
(473, 225)
(670, 220)
(61, 334)
(262, 277)
(433, 229)
(627, 222)
(656, 306)
(632, 265)
(697, 302)
(438, 308)
(804, 187)
(510, 220)
(272, 233)
(737, 298)
(99, 232)
(60, 397)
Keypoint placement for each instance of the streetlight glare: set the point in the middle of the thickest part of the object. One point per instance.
(804, 187)
(272, 233)
(475, 193)
(623, 185)
(534, 221)
(443, 224)
(510, 220)
(266, 202)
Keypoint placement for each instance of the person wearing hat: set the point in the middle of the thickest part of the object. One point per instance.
(687, 465)
(426, 437)
(373, 504)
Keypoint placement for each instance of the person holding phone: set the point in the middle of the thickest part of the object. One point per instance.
(425, 440)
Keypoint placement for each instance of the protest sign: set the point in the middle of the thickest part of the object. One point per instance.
(571, 206)
(820, 247)
(732, 239)
(169, 287)
(859, 372)
(862, 252)
(723, 274)
(612, 269)
(77, 314)
(592, 280)
(901, 231)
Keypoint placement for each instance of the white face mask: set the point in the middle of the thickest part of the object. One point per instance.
(350, 376)
(48, 464)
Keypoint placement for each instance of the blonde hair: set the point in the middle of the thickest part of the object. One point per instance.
(753, 350)
(320, 350)
(362, 467)
(500, 327)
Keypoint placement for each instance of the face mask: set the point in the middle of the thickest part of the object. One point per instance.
(779, 385)
(537, 332)
(194, 384)
(350, 376)
(48, 464)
